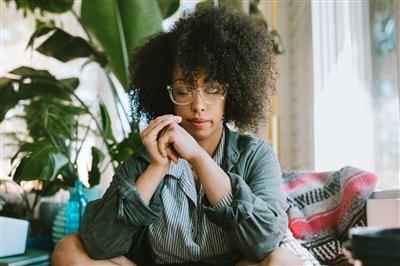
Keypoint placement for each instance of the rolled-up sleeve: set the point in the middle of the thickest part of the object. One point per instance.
(256, 218)
(111, 224)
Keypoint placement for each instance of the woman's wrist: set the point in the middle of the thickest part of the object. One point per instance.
(159, 168)
(199, 159)
(146, 184)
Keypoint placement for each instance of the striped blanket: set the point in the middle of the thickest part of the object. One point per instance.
(324, 206)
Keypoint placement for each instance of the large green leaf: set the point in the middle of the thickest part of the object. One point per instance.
(30, 84)
(53, 119)
(34, 82)
(65, 47)
(94, 173)
(168, 7)
(42, 164)
(119, 26)
(25, 148)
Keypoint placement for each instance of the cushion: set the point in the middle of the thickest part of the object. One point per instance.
(324, 206)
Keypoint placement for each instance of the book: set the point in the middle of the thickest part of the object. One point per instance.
(30, 257)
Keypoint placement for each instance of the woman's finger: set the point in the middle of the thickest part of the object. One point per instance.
(165, 138)
(153, 122)
(163, 141)
(154, 129)
(160, 119)
(172, 154)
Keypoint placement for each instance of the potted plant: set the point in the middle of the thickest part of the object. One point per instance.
(58, 121)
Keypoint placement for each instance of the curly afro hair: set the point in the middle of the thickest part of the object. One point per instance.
(231, 48)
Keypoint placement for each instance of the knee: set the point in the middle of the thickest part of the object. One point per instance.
(282, 257)
(68, 251)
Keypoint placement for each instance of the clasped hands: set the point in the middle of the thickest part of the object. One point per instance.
(165, 141)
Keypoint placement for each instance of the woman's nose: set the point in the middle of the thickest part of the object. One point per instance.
(198, 103)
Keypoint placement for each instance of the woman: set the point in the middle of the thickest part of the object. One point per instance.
(197, 193)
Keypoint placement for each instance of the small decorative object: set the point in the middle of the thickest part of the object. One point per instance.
(68, 219)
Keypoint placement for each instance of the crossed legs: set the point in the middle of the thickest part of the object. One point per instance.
(70, 251)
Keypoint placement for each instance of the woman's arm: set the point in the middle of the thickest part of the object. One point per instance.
(112, 224)
(215, 181)
(254, 214)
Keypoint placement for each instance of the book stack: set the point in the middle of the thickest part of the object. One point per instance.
(34, 257)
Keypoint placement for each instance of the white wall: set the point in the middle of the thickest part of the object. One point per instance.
(295, 85)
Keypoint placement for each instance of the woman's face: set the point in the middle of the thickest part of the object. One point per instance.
(200, 119)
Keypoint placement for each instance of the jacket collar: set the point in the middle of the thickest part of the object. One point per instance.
(232, 152)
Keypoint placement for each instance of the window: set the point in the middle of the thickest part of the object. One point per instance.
(356, 100)
(339, 87)
(385, 92)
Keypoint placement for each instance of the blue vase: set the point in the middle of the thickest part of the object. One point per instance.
(68, 219)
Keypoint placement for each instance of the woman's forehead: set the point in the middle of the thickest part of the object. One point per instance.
(191, 77)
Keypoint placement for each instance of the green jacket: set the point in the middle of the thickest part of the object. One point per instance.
(256, 220)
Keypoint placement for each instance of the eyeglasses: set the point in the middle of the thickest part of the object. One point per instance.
(185, 95)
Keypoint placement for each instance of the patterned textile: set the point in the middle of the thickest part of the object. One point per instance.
(324, 206)
(296, 247)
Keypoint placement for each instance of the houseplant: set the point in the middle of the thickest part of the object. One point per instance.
(58, 121)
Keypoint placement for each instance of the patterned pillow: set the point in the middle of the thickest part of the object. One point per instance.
(324, 206)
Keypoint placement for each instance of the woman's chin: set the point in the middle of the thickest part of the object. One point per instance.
(201, 132)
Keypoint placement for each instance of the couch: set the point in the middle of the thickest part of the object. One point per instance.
(324, 206)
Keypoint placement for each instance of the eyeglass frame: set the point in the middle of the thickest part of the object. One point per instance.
(169, 88)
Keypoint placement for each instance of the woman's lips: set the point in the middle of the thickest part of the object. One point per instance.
(198, 123)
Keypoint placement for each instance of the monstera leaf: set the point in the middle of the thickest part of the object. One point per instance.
(32, 83)
(43, 163)
(65, 47)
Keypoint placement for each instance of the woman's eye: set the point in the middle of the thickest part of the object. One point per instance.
(182, 91)
(214, 90)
